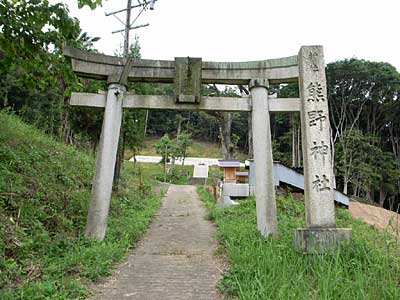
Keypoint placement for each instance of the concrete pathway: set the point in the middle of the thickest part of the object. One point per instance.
(174, 260)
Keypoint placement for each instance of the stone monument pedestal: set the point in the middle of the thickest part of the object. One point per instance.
(320, 240)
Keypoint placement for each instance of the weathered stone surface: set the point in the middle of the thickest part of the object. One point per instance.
(187, 81)
(105, 162)
(320, 240)
(227, 201)
(236, 189)
(99, 66)
(318, 169)
(122, 76)
(168, 102)
(316, 139)
(265, 190)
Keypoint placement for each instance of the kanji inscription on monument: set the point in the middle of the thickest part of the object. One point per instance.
(320, 151)
(316, 117)
(316, 136)
(315, 92)
(321, 183)
(321, 232)
(313, 56)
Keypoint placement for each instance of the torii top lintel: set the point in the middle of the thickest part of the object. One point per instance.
(99, 66)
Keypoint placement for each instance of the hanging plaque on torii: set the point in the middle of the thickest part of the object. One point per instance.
(187, 80)
(187, 75)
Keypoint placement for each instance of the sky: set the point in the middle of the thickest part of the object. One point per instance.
(246, 30)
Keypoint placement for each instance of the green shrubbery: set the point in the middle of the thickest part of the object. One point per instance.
(270, 269)
(44, 192)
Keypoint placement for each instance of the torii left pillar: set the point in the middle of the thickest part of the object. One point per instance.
(105, 163)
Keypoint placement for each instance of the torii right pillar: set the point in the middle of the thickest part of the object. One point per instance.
(321, 233)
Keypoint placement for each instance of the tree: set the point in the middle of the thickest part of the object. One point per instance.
(292, 91)
(35, 79)
(183, 142)
(362, 95)
(133, 138)
(31, 37)
(224, 120)
(164, 148)
(91, 3)
(351, 157)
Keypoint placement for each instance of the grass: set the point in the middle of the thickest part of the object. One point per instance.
(44, 192)
(154, 172)
(269, 268)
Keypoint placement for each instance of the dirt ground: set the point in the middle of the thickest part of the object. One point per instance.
(379, 217)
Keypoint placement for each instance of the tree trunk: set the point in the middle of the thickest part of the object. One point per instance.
(370, 195)
(183, 159)
(391, 204)
(225, 133)
(299, 153)
(250, 139)
(165, 163)
(134, 156)
(294, 140)
(188, 120)
(66, 127)
(118, 161)
(178, 133)
(382, 196)
(65, 130)
(171, 170)
(355, 188)
(94, 147)
(120, 155)
(345, 184)
(145, 123)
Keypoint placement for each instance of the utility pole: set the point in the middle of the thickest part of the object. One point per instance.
(120, 152)
(128, 26)
(165, 162)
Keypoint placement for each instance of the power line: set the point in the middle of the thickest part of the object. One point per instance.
(144, 4)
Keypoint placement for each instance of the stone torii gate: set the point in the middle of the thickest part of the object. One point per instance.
(188, 74)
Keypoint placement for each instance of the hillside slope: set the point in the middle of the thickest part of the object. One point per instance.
(377, 216)
(44, 192)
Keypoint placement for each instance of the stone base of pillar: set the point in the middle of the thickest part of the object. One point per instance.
(320, 240)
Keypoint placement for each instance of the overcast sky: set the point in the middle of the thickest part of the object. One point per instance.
(232, 30)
